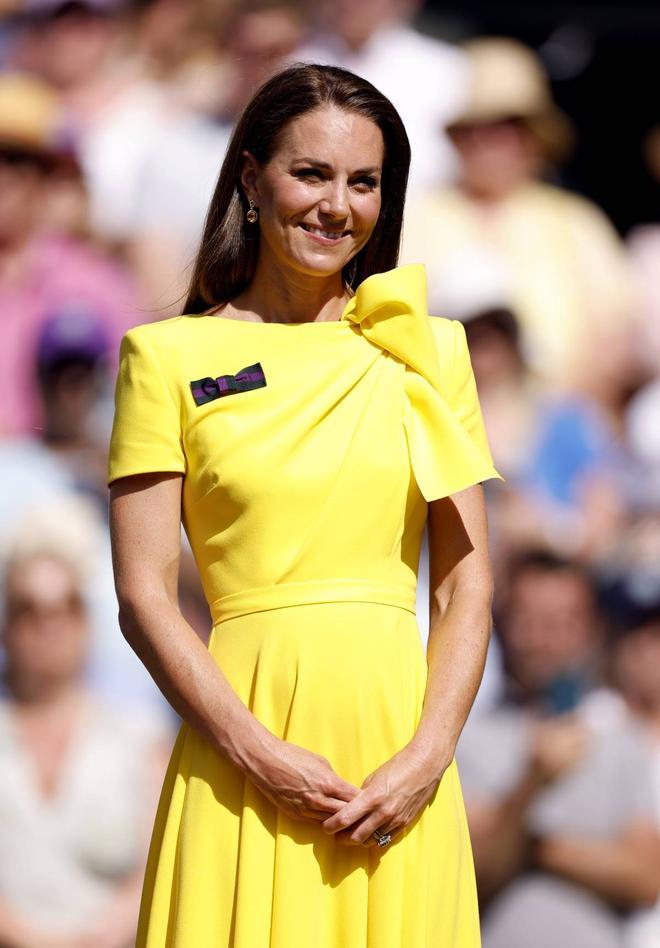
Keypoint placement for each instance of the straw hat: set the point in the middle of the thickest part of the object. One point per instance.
(508, 81)
(31, 120)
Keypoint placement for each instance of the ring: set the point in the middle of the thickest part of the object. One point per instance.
(382, 838)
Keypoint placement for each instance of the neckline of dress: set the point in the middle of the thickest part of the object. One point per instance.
(254, 322)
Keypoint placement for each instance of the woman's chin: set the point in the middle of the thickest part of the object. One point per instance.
(320, 266)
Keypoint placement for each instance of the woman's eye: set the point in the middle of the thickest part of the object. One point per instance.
(367, 182)
(308, 173)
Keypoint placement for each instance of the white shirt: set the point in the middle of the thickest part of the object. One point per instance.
(63, 856)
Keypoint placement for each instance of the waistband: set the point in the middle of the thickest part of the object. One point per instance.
(308, 592)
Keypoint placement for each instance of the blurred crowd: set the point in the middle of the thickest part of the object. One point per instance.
(114, 119)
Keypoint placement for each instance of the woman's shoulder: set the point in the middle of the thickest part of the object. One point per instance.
(164, 339)
(159, 331)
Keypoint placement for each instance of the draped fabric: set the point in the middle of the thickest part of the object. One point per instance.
(390, 310)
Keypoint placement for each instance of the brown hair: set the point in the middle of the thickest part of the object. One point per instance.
(229, 249)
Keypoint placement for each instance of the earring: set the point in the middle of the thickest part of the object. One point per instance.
(252, 215)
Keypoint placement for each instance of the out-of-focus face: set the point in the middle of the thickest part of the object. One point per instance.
(21, 191)
(72, 46)
(496, 157)
(550, 626)
(319, 196)
(495, 359)
(46, 630)
(69, 396)
(636, 659)
(355, 22)
(261, 41)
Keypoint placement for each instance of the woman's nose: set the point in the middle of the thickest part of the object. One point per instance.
(335, 200)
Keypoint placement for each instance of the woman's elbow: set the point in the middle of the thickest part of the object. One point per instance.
(475, 592)
(127, 615)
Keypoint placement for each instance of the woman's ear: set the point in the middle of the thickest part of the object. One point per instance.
(249, 175)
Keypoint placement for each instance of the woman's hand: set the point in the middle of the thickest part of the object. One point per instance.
(390, 798)
(300, 782)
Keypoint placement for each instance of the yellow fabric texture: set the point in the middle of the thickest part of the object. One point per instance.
(304, 502)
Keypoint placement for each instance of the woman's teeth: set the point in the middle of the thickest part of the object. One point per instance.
(329, 234)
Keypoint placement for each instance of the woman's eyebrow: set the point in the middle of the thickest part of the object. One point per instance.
(314, 161)
(318, 163)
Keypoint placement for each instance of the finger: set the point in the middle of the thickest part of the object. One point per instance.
(349, 813)
(325, 808)
(361, 833)
(344, 790)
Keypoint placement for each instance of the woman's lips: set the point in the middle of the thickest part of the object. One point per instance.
(324, 236)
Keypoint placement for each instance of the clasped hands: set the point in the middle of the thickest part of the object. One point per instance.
(304, 785)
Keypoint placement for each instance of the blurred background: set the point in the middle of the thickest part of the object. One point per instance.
(534, 203)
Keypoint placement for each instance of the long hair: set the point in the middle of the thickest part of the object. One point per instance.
(227, 258)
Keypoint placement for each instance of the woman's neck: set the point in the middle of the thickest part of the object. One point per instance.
(34, 698)
(278, 296)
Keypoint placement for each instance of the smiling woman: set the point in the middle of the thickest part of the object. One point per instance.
(315, 158)
(316, 213)
(312, 798)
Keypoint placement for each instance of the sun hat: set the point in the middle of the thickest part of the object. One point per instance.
(32, 121)
(508, 82)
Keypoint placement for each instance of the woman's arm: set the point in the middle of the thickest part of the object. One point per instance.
(145, 532)
(623, 870)
(461, 596)
(461, 592)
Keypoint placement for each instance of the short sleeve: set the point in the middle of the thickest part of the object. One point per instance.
(146, 432)
(460, 387)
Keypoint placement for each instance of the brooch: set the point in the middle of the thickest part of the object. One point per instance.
(205, 390)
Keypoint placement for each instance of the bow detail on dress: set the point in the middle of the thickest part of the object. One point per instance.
(207, 389)
(390, 309)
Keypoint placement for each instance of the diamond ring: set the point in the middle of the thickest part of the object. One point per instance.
(382, 838)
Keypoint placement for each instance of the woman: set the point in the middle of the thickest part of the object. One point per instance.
(78, 779)
(299, 430)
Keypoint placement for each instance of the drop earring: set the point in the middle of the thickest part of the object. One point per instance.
(252, 215)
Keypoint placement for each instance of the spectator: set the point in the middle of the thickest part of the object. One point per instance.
(63, 471)
(426, 79)
(559, 859)
(566, 269)
(559, 452)
(644, 246)
(183, 161)
(179, 43)
(41, 269)
(39, 504)
(642, 433)
(78, 782)
(636, 668)
(73, 352)
(113, 108)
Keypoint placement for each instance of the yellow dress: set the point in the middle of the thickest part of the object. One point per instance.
(304, 500)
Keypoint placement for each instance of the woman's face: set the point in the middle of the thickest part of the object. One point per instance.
(319, 195)
(496, 157)
(46, 632)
